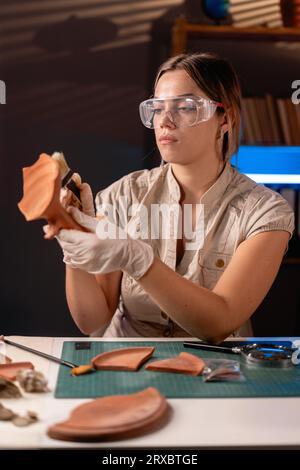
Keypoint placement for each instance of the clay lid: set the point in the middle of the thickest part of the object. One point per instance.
(184, 363)
(9, 371)
(123, 359)
(113, 417)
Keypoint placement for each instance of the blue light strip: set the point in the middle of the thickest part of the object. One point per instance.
(269, 165)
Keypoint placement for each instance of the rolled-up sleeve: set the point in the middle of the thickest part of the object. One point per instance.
(264, 211)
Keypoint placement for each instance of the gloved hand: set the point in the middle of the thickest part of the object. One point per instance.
(89, 252)
(67, 199)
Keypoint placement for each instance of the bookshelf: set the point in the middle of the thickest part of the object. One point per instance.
(182, 29)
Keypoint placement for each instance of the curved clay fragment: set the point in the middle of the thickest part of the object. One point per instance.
(9, 371)
(116, 416)
(41, 190)
(123, 359)
(184, 363)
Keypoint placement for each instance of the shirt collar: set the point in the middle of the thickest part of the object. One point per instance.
(213, 194)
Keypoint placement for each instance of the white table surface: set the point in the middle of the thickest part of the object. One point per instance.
(195, 423)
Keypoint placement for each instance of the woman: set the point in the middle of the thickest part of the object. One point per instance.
(208, 282)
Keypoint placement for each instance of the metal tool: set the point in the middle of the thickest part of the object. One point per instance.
(259, 354)
(39, 353)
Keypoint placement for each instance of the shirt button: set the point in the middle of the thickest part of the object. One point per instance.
(220, 263)
(164, 315)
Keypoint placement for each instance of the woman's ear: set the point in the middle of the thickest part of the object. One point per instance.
(223, 123)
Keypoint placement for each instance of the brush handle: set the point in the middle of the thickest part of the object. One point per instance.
(39, 353)
(71, 185)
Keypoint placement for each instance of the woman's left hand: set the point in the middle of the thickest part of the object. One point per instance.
(98, 254)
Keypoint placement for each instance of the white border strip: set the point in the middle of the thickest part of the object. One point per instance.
(274, 179)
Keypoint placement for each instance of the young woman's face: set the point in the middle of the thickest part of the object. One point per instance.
(183, 145)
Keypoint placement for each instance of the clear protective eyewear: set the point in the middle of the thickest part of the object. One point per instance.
(183, 111)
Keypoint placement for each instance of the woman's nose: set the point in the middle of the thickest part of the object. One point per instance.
(167, 120)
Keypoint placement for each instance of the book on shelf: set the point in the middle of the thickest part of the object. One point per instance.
(284, 122)
(274, 123)
(270, 121)
(291, 13)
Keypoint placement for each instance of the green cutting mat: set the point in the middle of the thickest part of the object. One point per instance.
(260, 382)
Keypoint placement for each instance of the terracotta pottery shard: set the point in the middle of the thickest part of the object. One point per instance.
(113, 417)
(184, 363)
(41, 189)
(123, 359)
(9, 371)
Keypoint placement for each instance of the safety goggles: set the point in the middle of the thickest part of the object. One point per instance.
(181, 111)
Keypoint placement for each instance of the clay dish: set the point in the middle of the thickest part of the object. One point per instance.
(123, 359)
(9, 371)
(184, 363)
(113, 417)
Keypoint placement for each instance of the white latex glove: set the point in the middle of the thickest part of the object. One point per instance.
(87, 200)
(88, 252)
(86, 197)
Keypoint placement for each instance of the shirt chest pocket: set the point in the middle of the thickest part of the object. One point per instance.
(211, 267)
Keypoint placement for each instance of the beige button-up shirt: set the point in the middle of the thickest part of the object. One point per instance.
(235, 208)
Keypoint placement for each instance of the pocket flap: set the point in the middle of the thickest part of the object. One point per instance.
(214, 260)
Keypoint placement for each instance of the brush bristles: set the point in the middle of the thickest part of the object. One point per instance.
(60, 158)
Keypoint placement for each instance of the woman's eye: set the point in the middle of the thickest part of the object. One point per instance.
(186, 109)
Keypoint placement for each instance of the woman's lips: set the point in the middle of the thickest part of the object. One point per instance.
(167, 140)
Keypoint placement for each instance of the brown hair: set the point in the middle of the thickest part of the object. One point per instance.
(217, 78)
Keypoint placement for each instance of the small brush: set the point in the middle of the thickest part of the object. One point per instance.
(69, 179)
(76, 369)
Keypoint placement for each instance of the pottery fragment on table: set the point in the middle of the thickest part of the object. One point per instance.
(184, 363)
(9, 371)
(129, 359)
(113, 417)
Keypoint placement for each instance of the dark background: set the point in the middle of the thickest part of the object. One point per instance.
(75, 73)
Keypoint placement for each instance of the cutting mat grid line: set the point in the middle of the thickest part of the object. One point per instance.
(260, 382)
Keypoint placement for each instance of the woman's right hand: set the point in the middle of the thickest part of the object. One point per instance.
(87, 200)
(67, 198)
